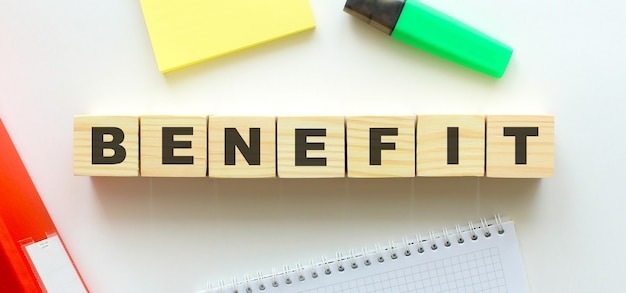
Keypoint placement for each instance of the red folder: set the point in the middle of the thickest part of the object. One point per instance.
(23, 220)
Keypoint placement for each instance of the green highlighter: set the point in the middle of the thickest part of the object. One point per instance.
(433, 31)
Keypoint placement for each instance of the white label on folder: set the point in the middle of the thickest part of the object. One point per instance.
(54, 267)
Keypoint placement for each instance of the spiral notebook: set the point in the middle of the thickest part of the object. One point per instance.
(479, 257)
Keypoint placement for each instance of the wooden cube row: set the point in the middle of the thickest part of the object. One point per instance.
(511, 146)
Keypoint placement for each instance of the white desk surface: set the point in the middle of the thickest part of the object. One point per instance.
(64, 58)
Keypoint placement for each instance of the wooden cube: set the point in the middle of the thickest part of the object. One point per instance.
(520, 146)
(380, 146)
(311, 147)
(242, 147)
(173, 146)
(450, 145)
(106, 145)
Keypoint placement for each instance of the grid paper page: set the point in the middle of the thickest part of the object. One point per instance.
(487, 264)
(480, 271)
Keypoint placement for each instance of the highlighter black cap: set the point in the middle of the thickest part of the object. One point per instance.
(381, 14)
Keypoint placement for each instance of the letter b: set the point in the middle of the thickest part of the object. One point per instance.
(98, 145)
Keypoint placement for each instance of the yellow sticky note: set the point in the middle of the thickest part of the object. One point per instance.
(185, 32)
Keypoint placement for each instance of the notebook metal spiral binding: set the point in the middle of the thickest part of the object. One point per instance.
(440, 240)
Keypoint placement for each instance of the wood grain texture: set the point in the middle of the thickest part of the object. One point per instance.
(501, 149)
(83, 165)
(432, 145)
(333, 147)
(242, 168)
(151, 132)
(399, 162)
